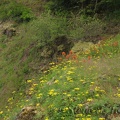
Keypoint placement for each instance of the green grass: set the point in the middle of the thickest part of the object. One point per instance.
(20, 56)
(83, 84)
(78, 87)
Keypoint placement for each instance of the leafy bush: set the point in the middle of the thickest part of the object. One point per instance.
(84, 6)
(40, 35)
(86, 29)
(45, 29)
(15, 11)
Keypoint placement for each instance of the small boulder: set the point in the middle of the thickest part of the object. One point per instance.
(9, 32)
(27, 113)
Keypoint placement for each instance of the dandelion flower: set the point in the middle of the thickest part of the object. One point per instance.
(89, 99)
(29, 81)
(101, 118)
(76, 89)
(1, 112)
(80, 105)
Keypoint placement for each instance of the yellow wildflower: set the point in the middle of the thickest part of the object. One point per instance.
(82, 80)
(39, 95)
(65, 109)
(64, 93)
(92, 82)
(46, 118)
(52, 63)
(10, 99)
(1, 112)
(52, 92)
(68, 95)
(56, 81)
(27, 100)
(103, 91)
(77, 119)
(76, 89)
(97, 95)
(118, 95)
(88, 119)
(38, 104)
(79, 115)
(80, 105)
(29, 81)
(89, 99)
(31, 89)
(101, 118)
(35, 84)
(97, 88)
(70, 72)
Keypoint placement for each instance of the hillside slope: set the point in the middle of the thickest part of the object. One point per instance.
(83, 85)
(57, 66)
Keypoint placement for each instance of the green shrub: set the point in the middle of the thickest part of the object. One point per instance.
(86, 29)
(15, 11)
(45, 29)
(89, 7)
(40, 35)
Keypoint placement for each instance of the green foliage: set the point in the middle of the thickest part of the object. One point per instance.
(89, 7)
(45, 29)
(86, 28)
(15, 11)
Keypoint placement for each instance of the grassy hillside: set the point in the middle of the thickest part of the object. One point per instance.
(84, 85)
(44, 77)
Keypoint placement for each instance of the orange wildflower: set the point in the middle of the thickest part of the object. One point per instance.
(74, 57)
(84, 60)
(63, 54)
(115, 44)
(71, 52)
(89, 57)
(67, 56)
(60, 58)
